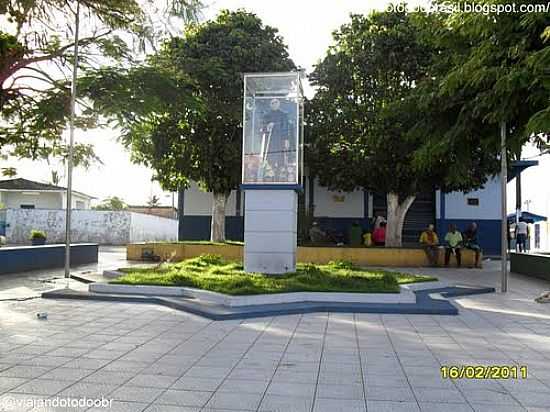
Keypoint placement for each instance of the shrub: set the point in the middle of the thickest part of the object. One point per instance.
(37, 234)
(342, 264)
(211, 259)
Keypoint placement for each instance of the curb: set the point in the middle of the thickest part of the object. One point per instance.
(425, 304)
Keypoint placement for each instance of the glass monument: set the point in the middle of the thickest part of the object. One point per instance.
(273, 129)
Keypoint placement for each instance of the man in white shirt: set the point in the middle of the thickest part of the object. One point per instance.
(522, 233)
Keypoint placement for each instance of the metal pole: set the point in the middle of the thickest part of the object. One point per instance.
(504, 225)
(70, 157)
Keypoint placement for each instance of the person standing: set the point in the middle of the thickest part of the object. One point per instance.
(522, 233)
(430, 243)
(453, 243)
(379, 235)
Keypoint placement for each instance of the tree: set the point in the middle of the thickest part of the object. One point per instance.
(363, 118)
(111, 203)
(500, 73)
(192, 129)
(36, 57)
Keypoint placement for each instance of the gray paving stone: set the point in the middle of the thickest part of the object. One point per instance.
(172, 408)
(184, 398)
(439, 395)
(41, 387)
(439, 407)
(388, 406)
(489, 396)
(120, 406)
(66, 374)
(349, 391)
(533, 399)
(292, 389)
(397, 394)
(339, 405)
(235, 401)
(7, 383)
(278, 403)
(246, 386)
(152, 381)
(135, 394)
(21, 371)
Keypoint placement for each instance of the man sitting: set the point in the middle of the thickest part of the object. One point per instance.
(453, 243)
(430, 242)
(471, 242)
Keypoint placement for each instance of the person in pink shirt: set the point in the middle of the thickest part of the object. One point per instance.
(379, 235)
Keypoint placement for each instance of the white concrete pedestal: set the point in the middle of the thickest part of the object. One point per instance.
(270, 231)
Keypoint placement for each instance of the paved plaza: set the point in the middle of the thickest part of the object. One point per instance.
(151, 358)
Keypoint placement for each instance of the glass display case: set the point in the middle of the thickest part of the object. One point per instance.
(273, 129)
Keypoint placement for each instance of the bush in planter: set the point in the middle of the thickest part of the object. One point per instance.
(38, 237)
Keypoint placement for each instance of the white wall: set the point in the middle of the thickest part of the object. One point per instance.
(148, 227)
(40, 200)
(199, 203)
(104, 227)
(338, 204)
(456, 203)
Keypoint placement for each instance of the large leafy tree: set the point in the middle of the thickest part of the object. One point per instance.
(500, 73)
(36, 50)
(193, 130)
(363, 118)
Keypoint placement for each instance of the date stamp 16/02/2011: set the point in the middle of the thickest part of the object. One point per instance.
(484, 372)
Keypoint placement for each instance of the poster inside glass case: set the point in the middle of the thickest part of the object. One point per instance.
(272, 132)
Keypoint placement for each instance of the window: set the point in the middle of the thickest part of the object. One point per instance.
(27, 206)
(537, 236)
(473, 201)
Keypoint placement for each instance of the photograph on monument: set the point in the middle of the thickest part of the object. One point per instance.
(272, 128)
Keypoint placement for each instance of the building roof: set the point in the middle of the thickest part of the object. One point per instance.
(29, 185)
(528, 217)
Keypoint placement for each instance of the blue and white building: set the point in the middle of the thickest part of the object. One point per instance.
(338, 210)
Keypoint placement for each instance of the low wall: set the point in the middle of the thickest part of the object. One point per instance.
(95, 226)
(388, 257)
(535, 265)
(23, 258)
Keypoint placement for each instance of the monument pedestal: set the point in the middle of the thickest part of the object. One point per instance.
(270, 231)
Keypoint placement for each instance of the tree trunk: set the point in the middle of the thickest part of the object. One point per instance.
(181, 209)
(396, 218)
(217, 228)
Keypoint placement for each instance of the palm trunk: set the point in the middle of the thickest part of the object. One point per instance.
(217, 228)
(396, 218)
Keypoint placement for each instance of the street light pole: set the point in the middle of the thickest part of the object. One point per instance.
(70, 154)
(504, 222)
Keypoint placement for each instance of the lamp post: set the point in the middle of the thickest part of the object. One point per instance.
(70, 154)
(504, 222)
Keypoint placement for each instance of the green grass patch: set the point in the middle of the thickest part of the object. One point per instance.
(211, 272)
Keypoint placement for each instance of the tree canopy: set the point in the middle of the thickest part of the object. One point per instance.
(36, 49)
(181, 112)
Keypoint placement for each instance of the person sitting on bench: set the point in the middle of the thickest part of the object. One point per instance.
(453, 243)
(430, 242)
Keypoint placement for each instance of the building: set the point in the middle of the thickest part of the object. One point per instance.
(26, 194)
(338, 210)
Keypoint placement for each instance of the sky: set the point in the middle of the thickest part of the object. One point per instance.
(307, 27)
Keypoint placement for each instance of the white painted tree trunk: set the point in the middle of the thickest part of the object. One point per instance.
(396, 218)
(217, 228)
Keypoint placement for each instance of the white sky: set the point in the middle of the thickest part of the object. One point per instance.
(306, 26)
